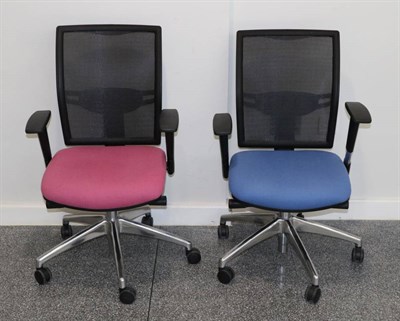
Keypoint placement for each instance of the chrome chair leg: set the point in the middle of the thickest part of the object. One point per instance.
(126, 294)
(109, 237)
(81, 237)
(113, 223)
(86, 219)
(192, 254)
(302, 225)
(301, 251)
(136, 228)
(263, 234)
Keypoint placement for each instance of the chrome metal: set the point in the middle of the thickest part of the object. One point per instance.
(302, 225)
(92, 218)
(109, 237)
(282, 243)
(111, 224)
(284, 215)
(248, 217)
(140, 229)
(301, 251)
(347, 158)
(135, 213)
(287, 226)
(268, 231)
(87, 219)
(81, 237)
(112, 220)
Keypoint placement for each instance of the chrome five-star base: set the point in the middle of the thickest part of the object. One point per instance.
(111, 225)
(286, 226)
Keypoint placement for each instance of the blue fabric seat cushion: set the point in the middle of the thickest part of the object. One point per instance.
(289, 180)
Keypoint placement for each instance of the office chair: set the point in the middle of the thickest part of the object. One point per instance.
(109, 97)
(287, 91)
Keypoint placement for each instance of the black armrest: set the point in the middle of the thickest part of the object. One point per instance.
(37, 124)
(359, 114)
(169, 120)
(222, 125)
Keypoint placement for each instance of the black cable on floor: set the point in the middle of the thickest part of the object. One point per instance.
(152, 281)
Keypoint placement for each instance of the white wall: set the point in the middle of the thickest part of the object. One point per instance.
(198, 80)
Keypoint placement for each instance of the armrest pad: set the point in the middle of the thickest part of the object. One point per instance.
(222, 124)
(37, 122)
(169, 120)
(358, 113)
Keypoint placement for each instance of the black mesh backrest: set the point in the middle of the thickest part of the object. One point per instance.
(287, 87)
(109, 84)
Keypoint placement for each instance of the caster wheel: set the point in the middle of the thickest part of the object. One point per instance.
(300, 215)
(147, 220)
(66, 231)
(313, 293)
(223, 231)
(193, 255)
(225, 275)
(357, 255)
(43, 275)
(127, 295)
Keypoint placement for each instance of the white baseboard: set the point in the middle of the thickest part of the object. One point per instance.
(202, 214)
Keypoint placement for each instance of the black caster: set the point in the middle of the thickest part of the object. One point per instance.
(223, 231)
(147, 220)
(43, 275)
(225, 275)
(357, 255)
(193, 255)
(127, 295)
(300, 215)
(313, 293)
(66, 231)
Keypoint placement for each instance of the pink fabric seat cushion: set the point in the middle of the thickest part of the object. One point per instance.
(105, 177)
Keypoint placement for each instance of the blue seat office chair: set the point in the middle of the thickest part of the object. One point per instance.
(287, 91)
(109, 96)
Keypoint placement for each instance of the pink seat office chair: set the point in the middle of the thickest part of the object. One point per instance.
(109, 97)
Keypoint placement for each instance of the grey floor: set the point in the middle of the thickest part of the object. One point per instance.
(267, 285)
